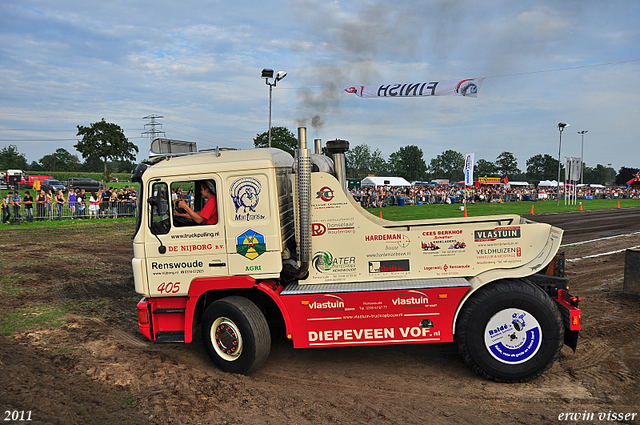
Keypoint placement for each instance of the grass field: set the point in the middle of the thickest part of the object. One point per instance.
(421, 212)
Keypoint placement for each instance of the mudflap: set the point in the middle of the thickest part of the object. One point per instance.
(554, 284)
(568, 306)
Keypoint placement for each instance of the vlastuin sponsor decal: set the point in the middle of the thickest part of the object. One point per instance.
(325, 302)
(491, 235)
(412, 298)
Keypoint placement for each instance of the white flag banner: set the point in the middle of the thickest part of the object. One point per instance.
(467, 88)
(576, 165)
(468, 169)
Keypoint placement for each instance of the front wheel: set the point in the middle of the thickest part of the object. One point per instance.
(510, 331)
(236, 335)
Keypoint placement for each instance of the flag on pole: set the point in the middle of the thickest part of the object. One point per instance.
(467, 88)
(506, 180)
(468, 169)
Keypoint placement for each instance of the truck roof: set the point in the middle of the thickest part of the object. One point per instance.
(201, 162)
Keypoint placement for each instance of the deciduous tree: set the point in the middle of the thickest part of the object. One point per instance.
(281, 138)
(507, 164)
(106, 141)
(408, 163)
(10, 158)
(542, 167)
(448, 165)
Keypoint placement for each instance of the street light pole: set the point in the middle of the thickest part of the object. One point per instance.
(266, 74)
(561, 127)
(270, 90)
(582, 133)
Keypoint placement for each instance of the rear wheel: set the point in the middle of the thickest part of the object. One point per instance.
(510, 331)
(236, 335)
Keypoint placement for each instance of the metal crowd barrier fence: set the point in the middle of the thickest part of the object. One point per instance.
(48, 212)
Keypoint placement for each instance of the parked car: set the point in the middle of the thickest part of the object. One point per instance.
(90, 185)
(52, 184)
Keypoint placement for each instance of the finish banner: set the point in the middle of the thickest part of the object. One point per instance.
(467, 88)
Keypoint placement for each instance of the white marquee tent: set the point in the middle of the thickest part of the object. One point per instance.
(383, 181)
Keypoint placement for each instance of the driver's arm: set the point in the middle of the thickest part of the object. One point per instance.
(189, 212)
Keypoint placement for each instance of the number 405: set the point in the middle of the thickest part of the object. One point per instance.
(169, 288)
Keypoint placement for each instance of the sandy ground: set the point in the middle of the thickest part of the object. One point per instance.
(97, 368)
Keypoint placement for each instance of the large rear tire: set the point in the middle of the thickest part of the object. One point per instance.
(236, 335)
(510, 331)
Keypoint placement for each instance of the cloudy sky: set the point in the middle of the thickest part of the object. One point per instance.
(198, 64)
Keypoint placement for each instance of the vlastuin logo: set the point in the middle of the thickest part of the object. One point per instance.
(245, 193)
(324, 302)
(497, 233)
(412, 298)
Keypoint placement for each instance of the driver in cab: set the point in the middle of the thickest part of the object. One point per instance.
(209, 213)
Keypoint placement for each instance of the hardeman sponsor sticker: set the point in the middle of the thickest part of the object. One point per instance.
(496, 233)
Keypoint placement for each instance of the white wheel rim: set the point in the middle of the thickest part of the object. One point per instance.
(226, 339)
(513, 336)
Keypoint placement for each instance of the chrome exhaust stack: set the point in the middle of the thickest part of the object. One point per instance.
(303, 171)
(338, 148)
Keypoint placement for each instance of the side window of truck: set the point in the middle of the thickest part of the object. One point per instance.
(159, 209)
(188, 200)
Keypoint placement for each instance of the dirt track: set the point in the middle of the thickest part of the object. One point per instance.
(97, 368)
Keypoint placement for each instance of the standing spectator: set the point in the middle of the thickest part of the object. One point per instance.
(16, 200)
(59, 203)
(113, 203)
(72, 202)
(93, 205)
(41, 206)
(80, 204)
(49, 203)
(6, 213)
(28, 206)
(104, 197)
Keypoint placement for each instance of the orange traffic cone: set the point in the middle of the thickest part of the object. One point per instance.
(618, 204)
(581, 207)
(465, 211)
(380, 214)
(532, 213)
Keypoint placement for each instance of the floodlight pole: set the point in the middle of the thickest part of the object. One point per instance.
(266, 74)
(582, 133)
(561, 127)
(270, 90)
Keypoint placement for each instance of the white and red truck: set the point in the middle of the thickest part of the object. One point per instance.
(291, 246)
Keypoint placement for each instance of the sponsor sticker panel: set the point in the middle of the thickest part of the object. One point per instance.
(381, 317)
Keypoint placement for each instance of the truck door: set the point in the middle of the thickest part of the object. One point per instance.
(178, 249)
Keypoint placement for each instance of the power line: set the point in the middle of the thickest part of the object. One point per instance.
(565, 69)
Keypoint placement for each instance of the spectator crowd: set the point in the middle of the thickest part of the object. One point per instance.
(381, 196)
(110, 203)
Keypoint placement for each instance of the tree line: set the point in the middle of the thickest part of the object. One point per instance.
(408, 162)
(105, 149)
